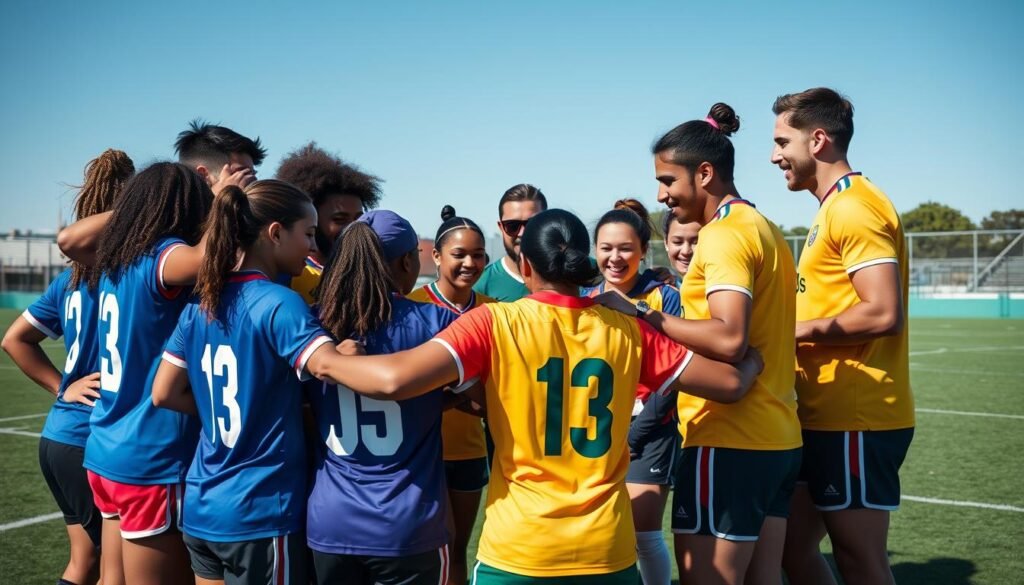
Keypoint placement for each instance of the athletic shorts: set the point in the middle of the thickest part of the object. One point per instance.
(727, 493)
(657, 462)
(62, 469)
(851, 470)
(429, 568)
(277, 560)
(144, 510)
(466, 475)
(488, 575)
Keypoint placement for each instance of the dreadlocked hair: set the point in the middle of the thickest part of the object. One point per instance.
(105, 177)
(164, 200)
(355, 292)
(236, 220)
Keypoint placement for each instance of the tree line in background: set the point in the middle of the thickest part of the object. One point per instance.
(931, 216)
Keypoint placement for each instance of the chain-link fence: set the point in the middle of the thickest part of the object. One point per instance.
(943, 262)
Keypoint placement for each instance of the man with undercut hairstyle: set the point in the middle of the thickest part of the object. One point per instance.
(853, 370)
(220, 155)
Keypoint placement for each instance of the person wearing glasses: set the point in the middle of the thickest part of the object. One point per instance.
(501, 279)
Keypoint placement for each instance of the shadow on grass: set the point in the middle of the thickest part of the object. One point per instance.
(940, 571)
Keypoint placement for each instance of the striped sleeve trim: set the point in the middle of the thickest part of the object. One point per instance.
(875, 262)
(455, 355)
(312, 346)
(166, 291)
(38, 325)
(174, 360)
(664, 389)
(732, 287)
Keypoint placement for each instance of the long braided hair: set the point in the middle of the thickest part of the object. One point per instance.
(355, 293)
(105, 177)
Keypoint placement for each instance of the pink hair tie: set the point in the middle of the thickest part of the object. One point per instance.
(713, 123)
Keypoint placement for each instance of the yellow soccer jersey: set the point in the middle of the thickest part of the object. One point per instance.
(462, 434)
(306, 283)
(852, 387)
(560, 375)
(742, 251)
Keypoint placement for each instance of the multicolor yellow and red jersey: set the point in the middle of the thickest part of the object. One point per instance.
(560, 376)
(741, 251)
(852, 387)
(306, 283)
(462, 434)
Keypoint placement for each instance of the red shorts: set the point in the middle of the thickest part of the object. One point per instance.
(144, 510)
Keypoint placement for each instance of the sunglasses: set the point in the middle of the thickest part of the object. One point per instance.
(512, 227)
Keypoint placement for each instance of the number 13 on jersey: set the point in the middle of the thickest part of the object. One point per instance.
(553, 374)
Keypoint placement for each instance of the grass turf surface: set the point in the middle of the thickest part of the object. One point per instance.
(958, 365)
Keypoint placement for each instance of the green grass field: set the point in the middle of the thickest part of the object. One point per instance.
(962, 520)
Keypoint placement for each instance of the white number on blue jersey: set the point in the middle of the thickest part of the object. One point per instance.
(224, 365)
(110, 363)
(381, 440)
(72, 313)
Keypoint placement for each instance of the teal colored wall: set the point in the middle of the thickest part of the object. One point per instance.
(17, 300)
(1002, 307)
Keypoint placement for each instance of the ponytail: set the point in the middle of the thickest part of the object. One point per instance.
(230, 227)
(356, 288)
(105, 177)
(556, 244)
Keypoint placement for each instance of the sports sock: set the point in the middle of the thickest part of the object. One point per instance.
(64, 582)
(653, 558)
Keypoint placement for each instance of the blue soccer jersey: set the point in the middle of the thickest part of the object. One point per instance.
(131, 440)
(72, 314)
(248, 478)
(379, 488)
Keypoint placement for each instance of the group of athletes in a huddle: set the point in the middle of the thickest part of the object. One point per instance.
(255, 391)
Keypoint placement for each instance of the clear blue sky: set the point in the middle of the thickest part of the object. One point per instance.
(456, 102)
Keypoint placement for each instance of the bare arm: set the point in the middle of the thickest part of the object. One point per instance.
(171, 389)
(395, 376)
(722, 337)
(878, 314)
(21, 342)
(719, 381)
(80, 240)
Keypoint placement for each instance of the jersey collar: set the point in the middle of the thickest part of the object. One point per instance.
(435, 295)
(559, 300)
(841, 185)
(247, 276)
(723, 209)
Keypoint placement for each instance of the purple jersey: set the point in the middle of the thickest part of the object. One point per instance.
(379, 488)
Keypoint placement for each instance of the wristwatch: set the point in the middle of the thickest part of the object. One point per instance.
(642, 308)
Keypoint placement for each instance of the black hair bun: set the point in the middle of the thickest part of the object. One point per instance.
(447, 212)
(726, 118)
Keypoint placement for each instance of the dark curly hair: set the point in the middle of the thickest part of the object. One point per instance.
(322, 174)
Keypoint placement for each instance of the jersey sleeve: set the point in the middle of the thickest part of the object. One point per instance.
(729, 261)
(670, 301)
(293, 331)
(662, 360)
(174, 349)
(164, 248)
(862, 234)
(470, 342)
(46, 313)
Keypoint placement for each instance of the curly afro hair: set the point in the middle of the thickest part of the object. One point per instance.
(321, 174)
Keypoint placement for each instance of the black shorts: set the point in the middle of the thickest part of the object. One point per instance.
(62, 469)
(466, 475)
(727, 493)
(429, 568)
(850, 470)
(270, 561)
(657, 462)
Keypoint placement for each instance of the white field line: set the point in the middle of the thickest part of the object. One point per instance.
(985, 348)
(19, 432)
(919, 367)
(30, 521)
(964, 504)
(23, 417)
(967, 413)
